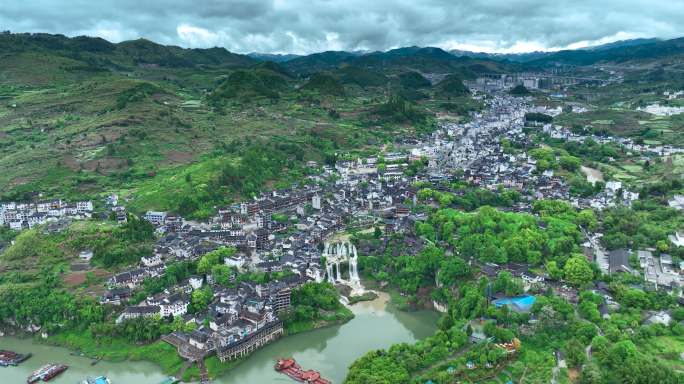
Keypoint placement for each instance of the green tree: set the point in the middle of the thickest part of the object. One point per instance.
(578, 271)
(213, 258)
(554, 271)
(221, 274)
(574, 353)
(591, 374)
(200, 299)
(451, 270)
(570, 163)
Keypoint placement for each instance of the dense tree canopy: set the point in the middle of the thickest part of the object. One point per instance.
(494, 236)
(213, 258)
(578, 271)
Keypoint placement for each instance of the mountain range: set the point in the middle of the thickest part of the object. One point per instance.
(98, 54)
(82, 114)
(624, 50)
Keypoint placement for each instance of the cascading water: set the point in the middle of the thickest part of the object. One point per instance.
(353, 266)
(329, 271)
(338, 253)
(339, 272)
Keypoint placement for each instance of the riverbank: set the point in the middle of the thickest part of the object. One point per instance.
(366, 296)
(346, 292)
(217, 369)
(397, 299)
(330, 319)
(164, 355)
(84, 343)
(374, 324)
(134, 372)
(330, 350)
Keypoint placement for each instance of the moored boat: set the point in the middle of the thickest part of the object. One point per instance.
(97, 380)
(170, 380)
(290, 368)
(46, 373)
(8, 358)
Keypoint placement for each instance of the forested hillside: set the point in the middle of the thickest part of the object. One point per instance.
(176, 129)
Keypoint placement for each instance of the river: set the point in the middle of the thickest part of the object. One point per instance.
(329, 350)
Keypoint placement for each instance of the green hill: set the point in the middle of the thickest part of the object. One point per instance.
(318, 62)
(412, 79)
(451, 86)
(519, 90)
(399, 110)
(99, 53)
(362, 77)
(646, 50)
(427, 60)
(324, 84)
(179, 129)
(275, 67)
(247, 84)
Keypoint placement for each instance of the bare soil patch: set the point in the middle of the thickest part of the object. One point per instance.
(77, 278)
(178, 157)
(104, 165)
(71, 163)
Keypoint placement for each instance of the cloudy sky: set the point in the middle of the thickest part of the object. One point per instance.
(305, 26)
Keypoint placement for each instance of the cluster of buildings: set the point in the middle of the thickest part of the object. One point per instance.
(660, 270)
(278, 231)
(476, 148)
(560, 132)
(19, 216)
(661, 110)
(491, 83)
(282, 230)
(674, 95)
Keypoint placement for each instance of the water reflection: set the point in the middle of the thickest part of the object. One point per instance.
(328, 350)
(332, 350)
(79, 367)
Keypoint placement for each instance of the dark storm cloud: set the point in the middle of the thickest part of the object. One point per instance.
(303, 26)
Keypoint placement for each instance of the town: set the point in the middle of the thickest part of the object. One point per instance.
(288, 232)
(387, 214)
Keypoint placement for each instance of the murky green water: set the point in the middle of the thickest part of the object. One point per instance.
(79, 367)
(329, 350)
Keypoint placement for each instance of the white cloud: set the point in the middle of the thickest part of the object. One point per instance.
(604, 40)
(110, 31)
(197, 37)
(305, 26)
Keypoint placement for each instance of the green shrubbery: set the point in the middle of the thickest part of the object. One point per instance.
(137, 93)
(312, 304)
(519, 90)
(399, 362)
(399, 110)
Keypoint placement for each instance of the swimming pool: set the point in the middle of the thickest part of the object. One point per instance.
(518, 303)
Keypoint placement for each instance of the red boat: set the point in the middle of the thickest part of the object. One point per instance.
(290, 368)
(8, 358)
(46, 373)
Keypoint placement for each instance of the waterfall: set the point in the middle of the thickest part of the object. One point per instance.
(339, 272)
(336, 254)
(353, 272)
(329, 270)
(353, 265)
